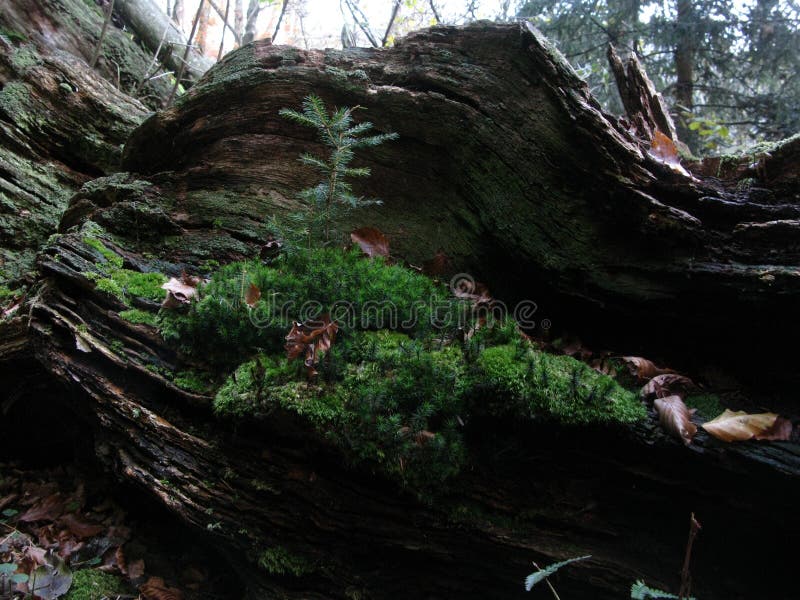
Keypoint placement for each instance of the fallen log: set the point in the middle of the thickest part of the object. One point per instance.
(506, 162)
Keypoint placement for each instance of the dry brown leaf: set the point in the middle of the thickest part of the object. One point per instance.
(674, 417)
(421, 437)
(180, 291)
(668, 384)
(371, 241)
(664, 149)
(48, 510)
(643, 369)
(135, 569)
(252, 295)
(438, 265)
(311, 338)
(738, 426)
(155, 589)
(271, 249)
(80, 528)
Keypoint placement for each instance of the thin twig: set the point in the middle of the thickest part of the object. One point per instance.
(435, 12)
(362, 23)
(395, 10)
(149, 72)
(96, 55)
(686, 578)
(225, 22)
(182, 66)
(237, 38)
(280, 18)
(547, 581)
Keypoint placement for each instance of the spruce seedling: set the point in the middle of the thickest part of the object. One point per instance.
(337, 131)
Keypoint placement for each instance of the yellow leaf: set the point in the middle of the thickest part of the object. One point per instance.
(738, 426)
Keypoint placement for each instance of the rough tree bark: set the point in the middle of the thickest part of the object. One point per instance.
(506, 162)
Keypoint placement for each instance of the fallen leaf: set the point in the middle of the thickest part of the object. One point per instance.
(668, 384)
(48, 510)
(51, 580)
(371, 241)
(664, 149)
(643, 369)
(738, 426)
(438, 265)
(135, 569)
(180, 291)
(674, 417)
(155, 589)
(252, 295)
(271, 249)
(81, 344)
(311, 338)
(80, 528)
(421, 437)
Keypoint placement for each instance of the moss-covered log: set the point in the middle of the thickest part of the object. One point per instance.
(61, 125)
(505, 161)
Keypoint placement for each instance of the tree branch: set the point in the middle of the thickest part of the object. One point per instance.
(224, 24)
(236, 37)
(107, 20)
(182, 66)
(280, 18)
(435, 12)
(362, 23)
(395, 10)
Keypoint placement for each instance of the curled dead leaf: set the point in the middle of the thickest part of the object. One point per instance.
(643, 369)
(438, 265)
(156, 589)
(371, 241)
(738, 426)
(664, 149)
(48, 510)
(270, 249)
(421, 437)
(252, 295)
(180, 291)
(675, 418)
(668, 384)
(311, 338)
(79, 528)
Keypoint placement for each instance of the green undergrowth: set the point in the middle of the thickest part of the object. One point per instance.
(91, 584)
(111, 277)
(139, 317)
(221, 330)
(396, 395)
(277, 560)
(708, 405)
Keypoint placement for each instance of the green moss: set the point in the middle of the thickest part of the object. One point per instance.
(11, 35)
(135, 315)
(530, 383)
(277, 560)
(193, 381)
(111, 257)
(708, 405)
(122, 283)
(90, 584)
(365, 294)
(25, 57)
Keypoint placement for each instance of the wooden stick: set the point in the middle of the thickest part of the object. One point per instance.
(686, 578)
(96, 55)
(185, 58)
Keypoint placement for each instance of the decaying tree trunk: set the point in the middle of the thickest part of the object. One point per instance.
(152, 25)
(506, 162)
(44, 159)
(74, 26)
